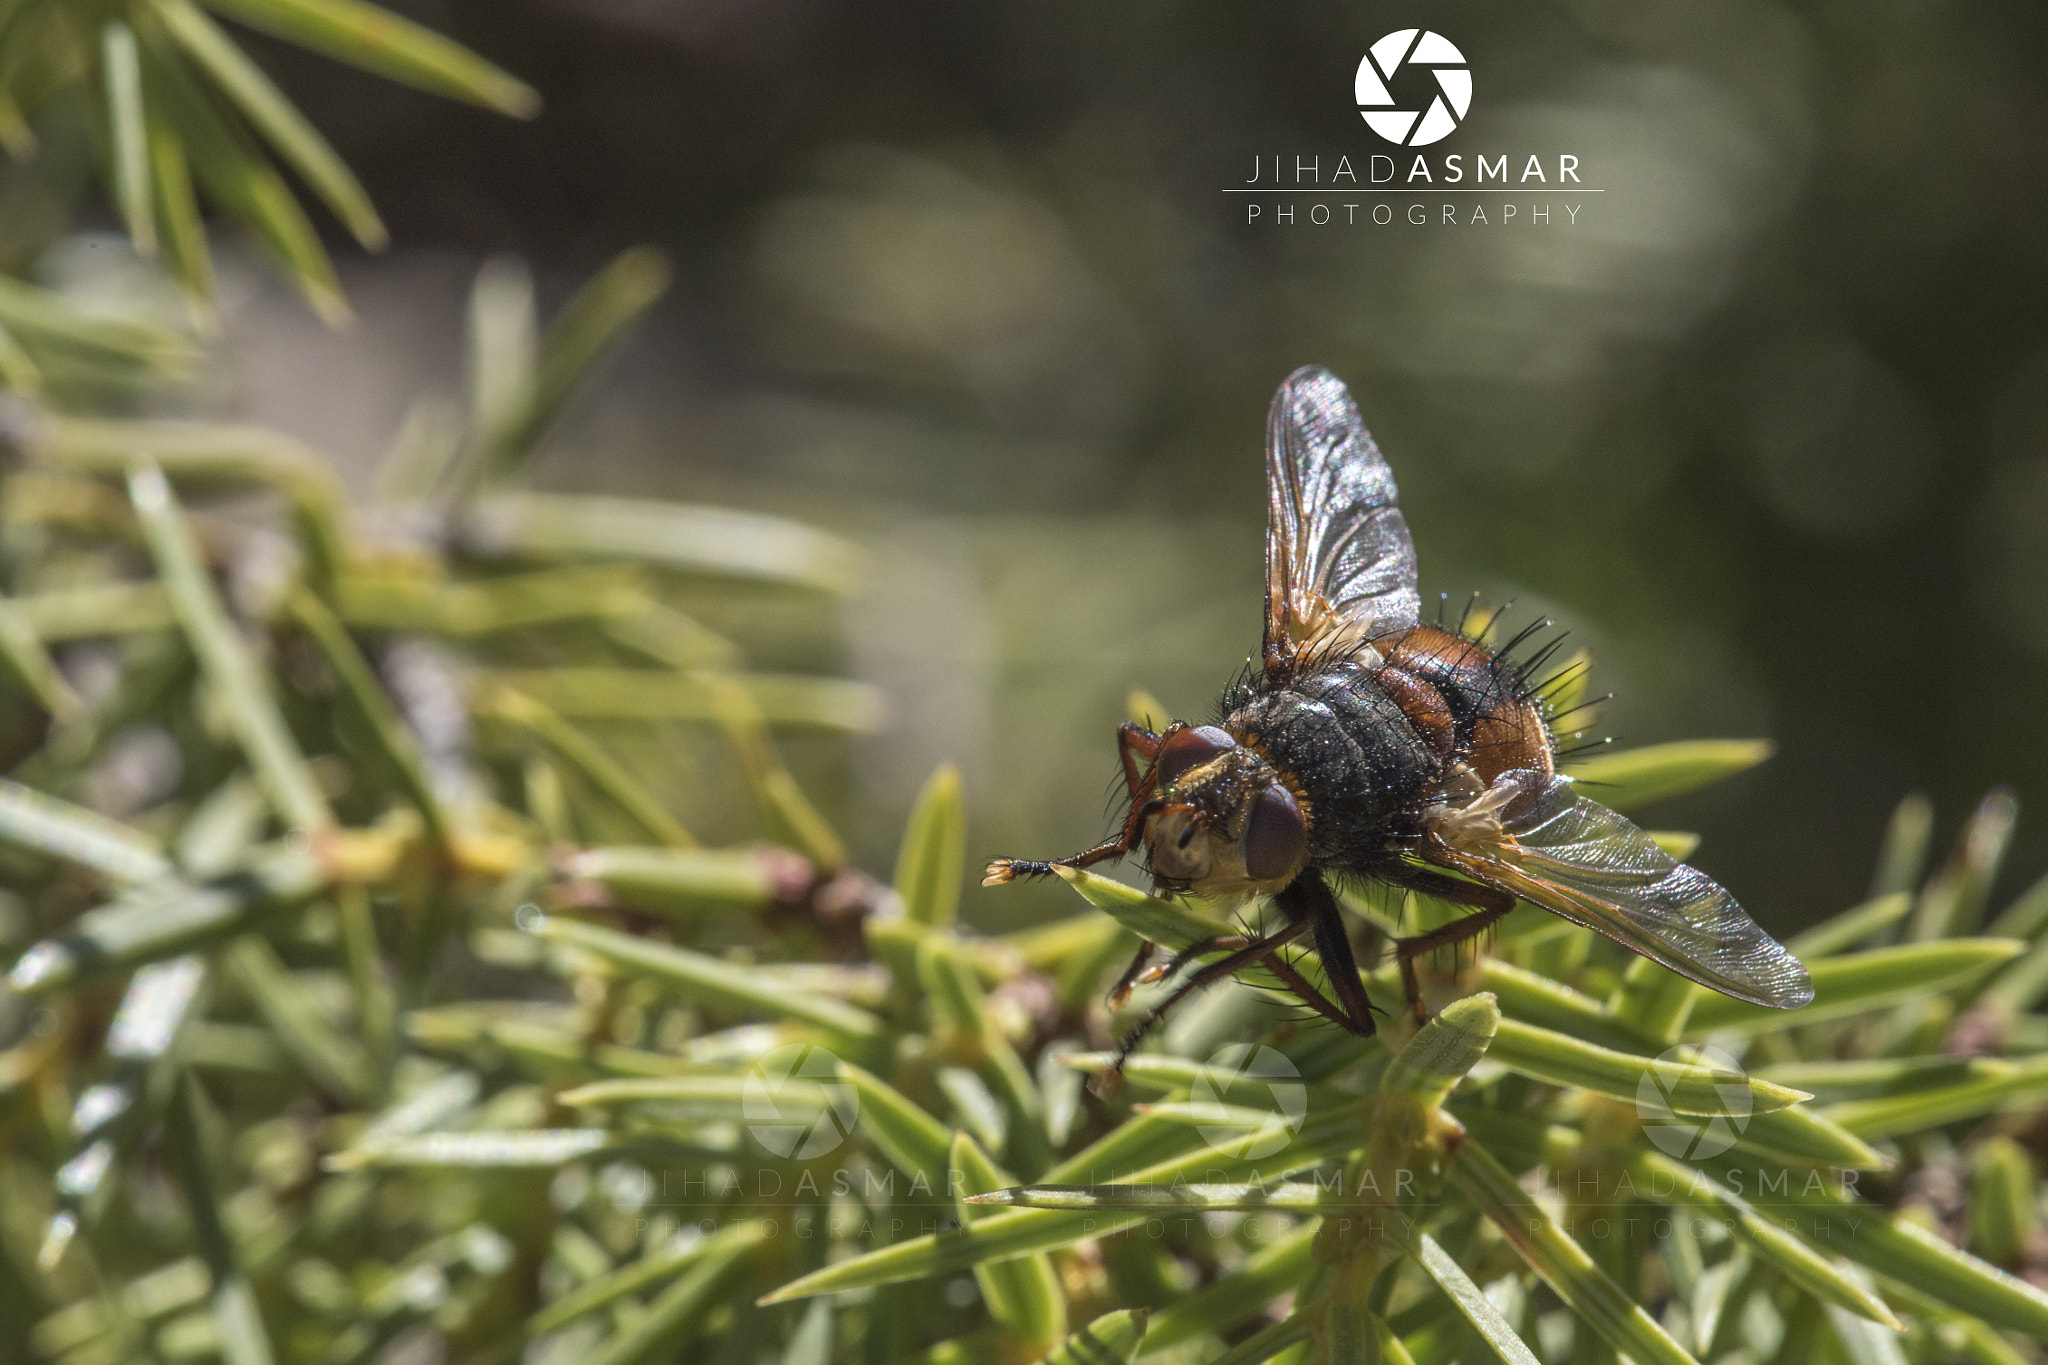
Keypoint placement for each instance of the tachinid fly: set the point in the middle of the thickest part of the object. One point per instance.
(1370, 746)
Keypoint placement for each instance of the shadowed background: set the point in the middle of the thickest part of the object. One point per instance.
(1768, 428)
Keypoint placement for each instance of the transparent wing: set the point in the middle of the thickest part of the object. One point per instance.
(1339, 561)
(1581, 860)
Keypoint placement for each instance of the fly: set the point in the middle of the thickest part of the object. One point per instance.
(1368, 746)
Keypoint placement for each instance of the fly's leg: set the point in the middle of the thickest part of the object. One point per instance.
(1338, 964)
(1215, 944)
(1408, 949)
(1310, 908)
(1308, 899)
(1128, 982)
(1139, 974)
(1237, 961)
(1133, 741)
(1003, 871)
(1489, 903)
(1305, 990)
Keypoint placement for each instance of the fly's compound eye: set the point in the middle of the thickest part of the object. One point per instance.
(1188, 749)
(1275, 835)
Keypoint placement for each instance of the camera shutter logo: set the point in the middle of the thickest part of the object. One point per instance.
(1693, 1137)
(1413, 127)
(795, 1104)
(1254, 1080)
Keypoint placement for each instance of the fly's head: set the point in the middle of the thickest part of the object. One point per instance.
(1220, 820)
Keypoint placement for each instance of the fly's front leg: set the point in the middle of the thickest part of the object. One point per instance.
(1133, 741)
(1140, 974)
(1309, 908)
(1001, 871)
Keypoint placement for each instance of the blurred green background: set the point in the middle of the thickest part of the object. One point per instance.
(1767, 428)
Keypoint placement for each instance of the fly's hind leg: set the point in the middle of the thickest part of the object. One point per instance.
(1489, 903)
(1456, 932)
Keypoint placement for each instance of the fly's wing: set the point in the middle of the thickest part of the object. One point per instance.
(1581, 860)
(1340, 566)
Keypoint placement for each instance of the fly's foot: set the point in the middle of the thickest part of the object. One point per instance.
(1003, 871)
(1106, 1083)
(1158, 971)
(1121, 991)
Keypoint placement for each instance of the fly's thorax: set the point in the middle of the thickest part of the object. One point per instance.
(1345, 745)
(1224, 820)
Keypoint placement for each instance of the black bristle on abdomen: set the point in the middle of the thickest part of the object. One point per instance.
(1504, 656)
(1533, 665)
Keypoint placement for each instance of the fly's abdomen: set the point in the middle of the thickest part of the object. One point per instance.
(1468, 701)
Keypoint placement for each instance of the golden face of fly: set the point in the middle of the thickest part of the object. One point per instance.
(1221, 823)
